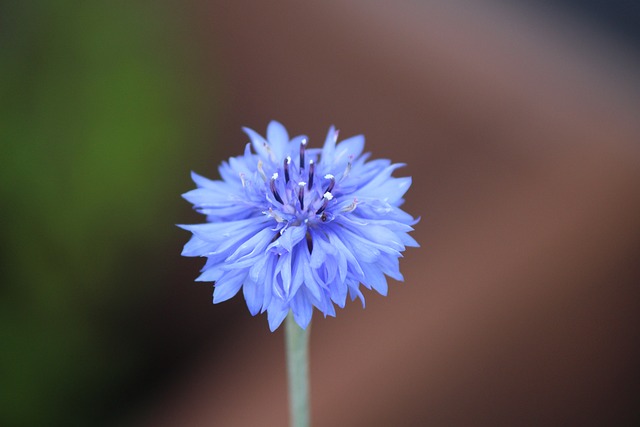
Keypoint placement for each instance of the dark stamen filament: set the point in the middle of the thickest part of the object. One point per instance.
(286, 169)
(332, 182)
(326, 198)
(301, 194)
(303, 145)
(274, 190)
(311, 171)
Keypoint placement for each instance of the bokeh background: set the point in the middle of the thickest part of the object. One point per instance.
(520, 124)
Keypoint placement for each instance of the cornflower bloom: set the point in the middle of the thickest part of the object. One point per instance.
(297, 227)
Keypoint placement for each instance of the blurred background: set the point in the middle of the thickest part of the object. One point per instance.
(520, 125)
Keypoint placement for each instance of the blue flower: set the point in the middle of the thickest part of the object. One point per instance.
(296, 227)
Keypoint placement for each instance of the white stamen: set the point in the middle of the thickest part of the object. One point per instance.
(275, 215)
(267, 147)
(351, 206)
(261, 171)
(347, 169)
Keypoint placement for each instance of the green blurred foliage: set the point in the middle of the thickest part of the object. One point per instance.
(96, 108)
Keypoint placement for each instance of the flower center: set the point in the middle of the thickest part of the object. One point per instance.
(298, 195)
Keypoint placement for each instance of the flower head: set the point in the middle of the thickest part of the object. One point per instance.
(297, 227)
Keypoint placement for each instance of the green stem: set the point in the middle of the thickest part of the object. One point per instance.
(297, 346)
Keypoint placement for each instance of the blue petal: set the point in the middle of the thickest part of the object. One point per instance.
(258, 267)
(210, 196)
(278, 139)
(201, 181)
(391, 267)
(302, 309)
(360, 249)
(197, 247)
(408, 240)
(338, 291)
(381, 236)
(311, 284)
(326, 306)
(211, 273)
(259, 144)
(374, 278)
(218, 231)
(256, 244)
(267, 281)
(228, 285)
(297, 273)
(374, 188)
(253, 295)
(324, 248)
(276, 313)
(284, 268)
(350, 147)
(329, 147)
(290, 237)
(346, 251)
(325, 257)
(354, 292)
(308, 280)
(373, 208)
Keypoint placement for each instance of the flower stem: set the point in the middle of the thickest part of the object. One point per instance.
(297, 348)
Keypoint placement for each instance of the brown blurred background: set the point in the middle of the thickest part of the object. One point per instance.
(520, 126)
